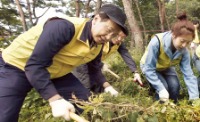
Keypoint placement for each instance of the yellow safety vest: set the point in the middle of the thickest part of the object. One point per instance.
(73, 54)
(198, 51)
(196, 38)
(163, 61)
(107, 52)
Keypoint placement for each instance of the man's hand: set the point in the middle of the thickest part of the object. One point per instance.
(61, 108)
(137, 78)
(105, 67)
(111, 90)
(163, 95)
(196, 25)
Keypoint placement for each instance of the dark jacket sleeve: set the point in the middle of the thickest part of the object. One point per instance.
(127, 57)
(94, 70)
(56, 34)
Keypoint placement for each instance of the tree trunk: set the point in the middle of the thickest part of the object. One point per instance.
(29, 11)
(87, 6)
(34, 14)
(135, 31)
(140, 16)
(98, 5)
(21, 15)
(77, 8)
(161, 6)
(177, 8)
(168, 25)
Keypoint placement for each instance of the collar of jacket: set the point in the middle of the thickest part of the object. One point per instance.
(87, 34)
(167, 43)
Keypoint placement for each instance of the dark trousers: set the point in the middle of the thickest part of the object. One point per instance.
(14, 87)
(82, 73)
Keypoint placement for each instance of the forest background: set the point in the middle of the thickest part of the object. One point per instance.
(144, 19)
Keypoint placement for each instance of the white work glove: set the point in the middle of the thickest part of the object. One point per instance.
(192, 45)
(61, 108)
(163, 95)
(105, 67)
(137, 78)
(111, 90)
(195, 102)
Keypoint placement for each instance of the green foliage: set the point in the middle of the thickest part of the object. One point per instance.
(119, 109)
(134, 103)
(5, 41)
(150, 15)
(36, 109)
(8, 19)
(191, 8)
(8, 15)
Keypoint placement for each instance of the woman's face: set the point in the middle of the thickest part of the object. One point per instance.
(104, 31)
(182, 41)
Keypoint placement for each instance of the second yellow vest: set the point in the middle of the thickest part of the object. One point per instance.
(107, 50)
(163, 61)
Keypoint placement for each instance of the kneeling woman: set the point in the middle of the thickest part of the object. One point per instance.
(165, 50)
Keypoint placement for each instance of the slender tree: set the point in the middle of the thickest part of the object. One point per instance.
(29, 11)
(177, 8)
(136, 35)
(87, 6)
(77, 8)
(98, 5)
(35, 4)
(140, 16)
(161, 6)
(168, 25)
(21, 15)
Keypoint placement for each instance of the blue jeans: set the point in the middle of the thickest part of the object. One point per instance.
(171, 82)
(14, 87)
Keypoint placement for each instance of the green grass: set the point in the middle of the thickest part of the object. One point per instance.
(134, 104)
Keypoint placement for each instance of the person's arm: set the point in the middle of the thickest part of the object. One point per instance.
(127, 57)
(123, 51)
(149, 68)
(56, 34)
(189, 78)
(196, 38)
